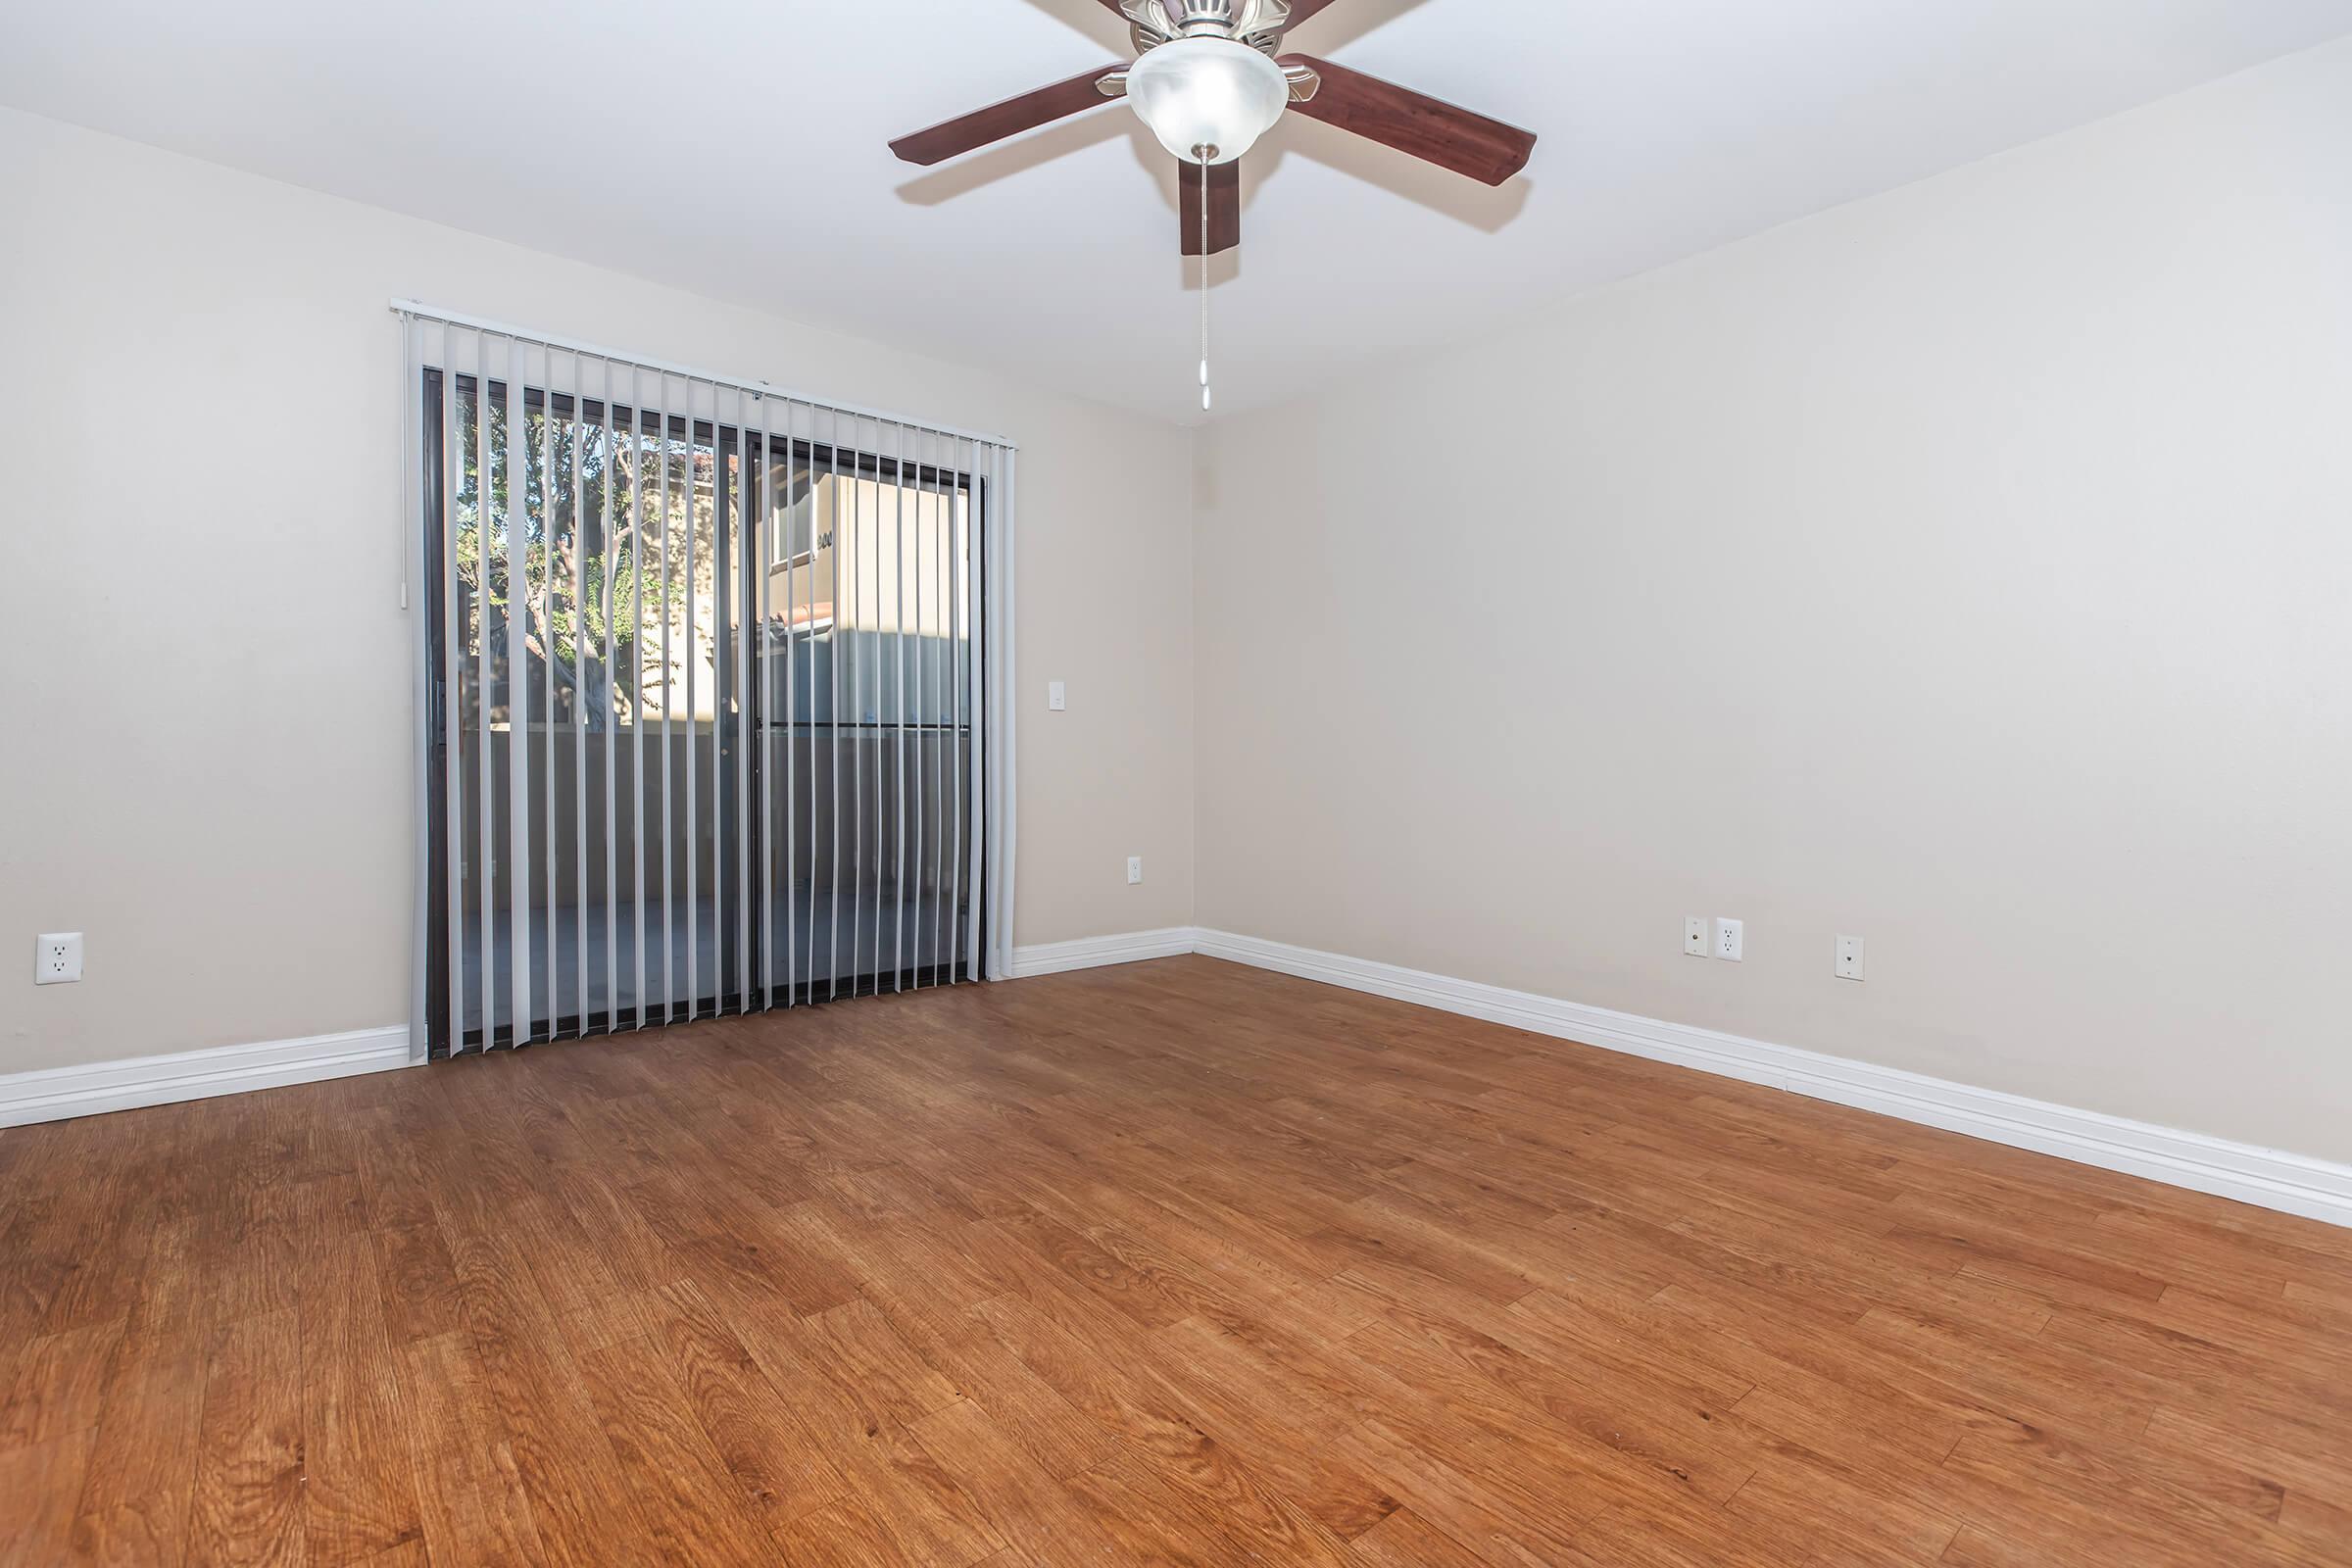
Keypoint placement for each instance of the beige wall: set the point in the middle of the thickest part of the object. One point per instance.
(206, 698)
(1969, 568)
(1966, 569)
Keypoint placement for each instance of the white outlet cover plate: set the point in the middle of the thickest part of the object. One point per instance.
(1135, 869)
(1731, 937)
(57, 958)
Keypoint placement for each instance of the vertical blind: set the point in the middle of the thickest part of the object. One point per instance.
(711, 692)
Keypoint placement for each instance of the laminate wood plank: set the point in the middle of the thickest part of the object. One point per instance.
(2217, 1476)
(1975, 1547)
(2290, 1333)
(695, 1510)
(2232, 1264)
(103, 1284)
(1140, 1295)
(407, 1555)
(37, 1254)
(2237, 1230)
(1469, 1196)
(2319, 1296)
(1029, 1409)
(2033, 1486)
(768, 1444)
(2011, 1374)
(923, 1295)
(1394, 1232)
(1971, 1298)
(1831, 1518)
(2058, 1273)
(2322, 1521)
(1649, 1248)
(889, 1194)
(417, 1282)
(1239, 1254)
(248, 1500)
(559, 1263)
(1282, 1422)
(1907, 1360)
(1649, 1416)
(472, 1503)
(390, 1165)
(1313, 1380)
(39, 1485)
(2287, 1398)
(58, 1379)
(1152, 1520)
(1489, 1514)
(903, 1506)
(359, 1499)
(1177, 1262)
(1344, 1498)
(2299, 1460)
(252, 1245)
(876, 1375)
(1045, 1520)
(1631, 1538)
(1403, 1539)
(539, 1408)
(1217, 1494)
(1152, 1426)
(1438, 1400)
(1589, 1323)
(133, 1507)
(173, 1309)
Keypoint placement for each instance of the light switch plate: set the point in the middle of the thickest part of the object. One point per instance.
(1056, 698)
(57, 958)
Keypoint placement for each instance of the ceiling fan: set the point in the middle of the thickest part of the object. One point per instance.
(1209, 78)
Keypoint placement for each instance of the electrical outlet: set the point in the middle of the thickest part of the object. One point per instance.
(1694, 935)
(1729, 935)
(1135, 869)
(57, 958)
(1849, 959)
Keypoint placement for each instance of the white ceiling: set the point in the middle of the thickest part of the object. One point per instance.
(737, 148)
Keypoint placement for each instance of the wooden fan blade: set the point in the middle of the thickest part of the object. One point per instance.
(1413, 122)
(1224, 206)
(1008, 119)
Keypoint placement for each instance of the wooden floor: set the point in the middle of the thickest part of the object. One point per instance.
(1176, 1263)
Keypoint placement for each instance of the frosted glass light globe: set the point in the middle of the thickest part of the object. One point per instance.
(1207, 92)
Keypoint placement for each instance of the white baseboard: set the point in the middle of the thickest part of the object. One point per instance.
(1087, 953)
(55, 1093)
(2294, 1184)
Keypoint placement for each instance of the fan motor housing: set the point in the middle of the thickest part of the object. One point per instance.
(1202, 16)
(1243, 21)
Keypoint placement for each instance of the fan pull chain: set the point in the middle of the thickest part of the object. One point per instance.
(1204, 397)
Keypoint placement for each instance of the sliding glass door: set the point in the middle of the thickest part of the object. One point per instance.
(704, 698)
